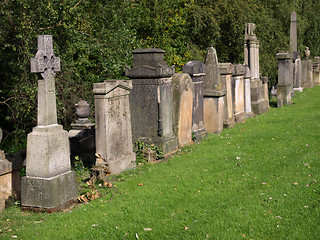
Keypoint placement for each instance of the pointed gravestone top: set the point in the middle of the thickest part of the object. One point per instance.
(212, 84)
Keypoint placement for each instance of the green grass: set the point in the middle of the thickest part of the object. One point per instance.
(259, 180)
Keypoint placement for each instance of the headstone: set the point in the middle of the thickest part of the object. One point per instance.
(307, 71)
(285, 81)
(226, 71)
(214, 91)
(196, 69)
(293, 32)
(82, 133)
(49, 182)
(151, 100)
(113, 120)
(316, 70)
(247, 93)
(182, 87)
(238, 74)
(297, 73)
(259, 103)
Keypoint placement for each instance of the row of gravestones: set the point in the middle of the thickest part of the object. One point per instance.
(156, 106)
(295, 74)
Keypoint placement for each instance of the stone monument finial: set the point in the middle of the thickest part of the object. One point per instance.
(307, 52)
(250, 28)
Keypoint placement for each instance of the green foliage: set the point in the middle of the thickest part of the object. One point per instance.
(140, 147)
(94, 40)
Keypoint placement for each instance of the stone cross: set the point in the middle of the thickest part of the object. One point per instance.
(47, 64)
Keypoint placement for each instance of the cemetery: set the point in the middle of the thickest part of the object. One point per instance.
(165, 150)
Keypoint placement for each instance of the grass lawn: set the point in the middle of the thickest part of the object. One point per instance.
(259, 180)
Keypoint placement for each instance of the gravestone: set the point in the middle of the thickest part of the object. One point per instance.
(182, 87)
(214, 91)
(316, 70)
(285, 80)
(49, 182)
(226, 71)
(151, 100)
(238, 74)
(247, 93)
(297, 73)
(307, 71)
(196, 69)
(293, 32)
(113, 120)
(259, 102)
(82, 133)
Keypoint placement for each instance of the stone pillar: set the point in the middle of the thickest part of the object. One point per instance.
(226, 71)
(196, 69)
(307, 71)
(293, 32)
(259, 103)
(182, 87)
(214, 92)
(49, 182)
(151, 100)
(297, 72)
(82, 133)
(284, 86)
(247, 93)
(113, 131)
(316, 70)
(238, 74)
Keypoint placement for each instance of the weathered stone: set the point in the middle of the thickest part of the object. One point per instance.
(259, 101)
(285, 79)
(316, 71)
(226, 71)
(307, 73)
(247, 93)
(239, 71)
(293, 32)
(48, 156)
(113, 121)
(149, 63)
(82, 134)
(297, 73)
(151, 104)
(197, 71)
(182, 87)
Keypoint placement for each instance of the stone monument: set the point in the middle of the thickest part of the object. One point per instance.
(49, 182)
(151, 100)
(82, 133)
(214, 91)
(196, 69)
(238, 74)
(259, 103)
(247, 93)
(293, 32)
(285, 75)
(316, 71)
(182, 87)
(113, 119)
(307, 70)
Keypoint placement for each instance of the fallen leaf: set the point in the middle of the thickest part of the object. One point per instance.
(147, 229)
(295, 183)
(186, 228)
(140, 184)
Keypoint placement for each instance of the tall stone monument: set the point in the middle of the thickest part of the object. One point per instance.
(293, 32)
(196, 69)
(151, 99)
(214, 90)
(49, 182)
(259, 103)
(307, 70)
(285, 82)
(113, 120)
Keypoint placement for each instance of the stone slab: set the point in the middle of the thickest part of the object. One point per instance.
(213, 109)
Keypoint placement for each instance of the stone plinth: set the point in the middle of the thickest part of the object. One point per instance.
(285, 79)
(113, 121)
(151, 100)
(226, 71)
(307, 74)
(316, 70)
(214, 92)
(49, 181)
(196, 69)
(82, 134)
(237, 83)
(182, 87)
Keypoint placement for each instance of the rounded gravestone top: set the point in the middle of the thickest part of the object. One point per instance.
(148, 50)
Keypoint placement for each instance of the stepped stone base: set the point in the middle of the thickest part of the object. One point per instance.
(48, 193)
